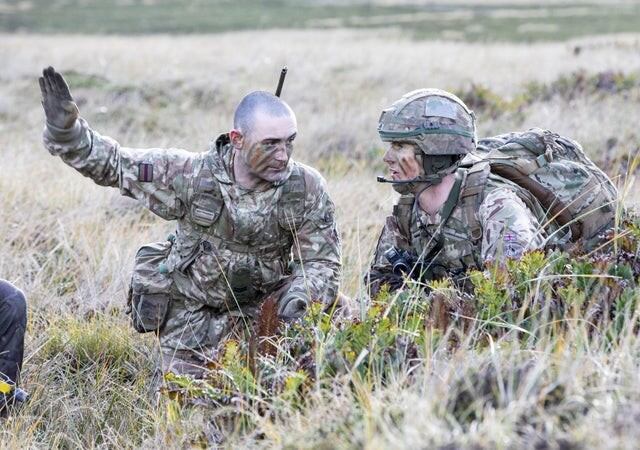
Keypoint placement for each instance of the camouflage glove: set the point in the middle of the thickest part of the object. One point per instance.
(59, 108)
(292, 305)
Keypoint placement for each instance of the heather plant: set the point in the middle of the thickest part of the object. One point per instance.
(541, 299)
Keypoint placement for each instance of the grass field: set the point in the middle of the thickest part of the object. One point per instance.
(472, 21)
(508, 382)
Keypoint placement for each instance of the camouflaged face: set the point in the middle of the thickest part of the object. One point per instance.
(268, 161)
(232, 246)
(508, 229)
(438, 122)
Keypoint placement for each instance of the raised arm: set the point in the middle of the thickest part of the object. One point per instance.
(156, 177)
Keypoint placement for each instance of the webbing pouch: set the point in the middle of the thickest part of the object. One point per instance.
(149, 311)
(472, 194)
(206, 202)
(241, 284)
(403, 211)
(291, 212)
(206, 208)
(149, 293)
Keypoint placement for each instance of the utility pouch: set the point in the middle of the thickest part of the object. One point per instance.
(241, 284)
(149, 294)
(149, 311)
(206, 208)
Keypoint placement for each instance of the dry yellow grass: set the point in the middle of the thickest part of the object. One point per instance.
(338, 84)
(69, 244)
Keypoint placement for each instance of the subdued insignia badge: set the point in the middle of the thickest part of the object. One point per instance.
(510, 237)
(145, 172)
(328, 214)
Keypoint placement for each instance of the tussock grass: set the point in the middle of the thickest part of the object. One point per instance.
(90, 384)
(69, 245)
(495, 379)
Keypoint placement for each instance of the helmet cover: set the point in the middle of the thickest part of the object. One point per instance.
(436, 121)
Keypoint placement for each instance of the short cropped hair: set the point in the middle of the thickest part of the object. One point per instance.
(255, 101)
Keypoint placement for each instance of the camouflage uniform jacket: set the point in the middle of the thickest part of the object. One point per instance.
(231, 246)
(485, 217)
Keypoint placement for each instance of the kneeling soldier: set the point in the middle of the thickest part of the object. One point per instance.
(251, 222)
(465, 203)
(447, 220)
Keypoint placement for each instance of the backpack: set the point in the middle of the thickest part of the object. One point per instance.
(572, 190)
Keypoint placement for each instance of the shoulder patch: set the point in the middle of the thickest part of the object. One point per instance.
(145, 172)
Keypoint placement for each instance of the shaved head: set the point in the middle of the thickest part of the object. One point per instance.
(258, 101)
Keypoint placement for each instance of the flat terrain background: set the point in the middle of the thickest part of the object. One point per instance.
(69, 244)
(462, 20)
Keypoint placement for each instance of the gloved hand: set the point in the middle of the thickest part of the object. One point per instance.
(292, 305)
(59, 108)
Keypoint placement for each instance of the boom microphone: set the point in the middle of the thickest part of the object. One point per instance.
(381, 179)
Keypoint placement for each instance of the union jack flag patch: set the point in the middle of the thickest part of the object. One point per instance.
(145, 172)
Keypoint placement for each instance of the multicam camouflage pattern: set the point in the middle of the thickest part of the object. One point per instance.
(508, 228)
(191, 337)
(436, 121)
(575, 192)
(231, 246)
(558, 188)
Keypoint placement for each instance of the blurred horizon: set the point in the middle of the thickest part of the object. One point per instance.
(484, 20)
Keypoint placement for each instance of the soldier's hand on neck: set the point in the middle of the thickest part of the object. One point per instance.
(59, 108)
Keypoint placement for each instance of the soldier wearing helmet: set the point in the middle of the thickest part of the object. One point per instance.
(448, 218)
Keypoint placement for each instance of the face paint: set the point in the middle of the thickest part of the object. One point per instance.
(267, 148)
(402, 161)
(268, 160)
(409, 166)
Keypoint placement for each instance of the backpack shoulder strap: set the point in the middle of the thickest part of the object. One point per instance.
(454, 195)
(402, 212)
(472, 195)
(291, 201)
(206, 201)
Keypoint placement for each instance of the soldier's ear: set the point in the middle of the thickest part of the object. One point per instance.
(236, 138)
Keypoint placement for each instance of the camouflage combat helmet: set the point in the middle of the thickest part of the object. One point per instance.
(438, 123)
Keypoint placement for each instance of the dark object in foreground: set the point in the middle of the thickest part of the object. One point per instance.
(283, 75)
(13, 321)
(406, 263)
(402, 262)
